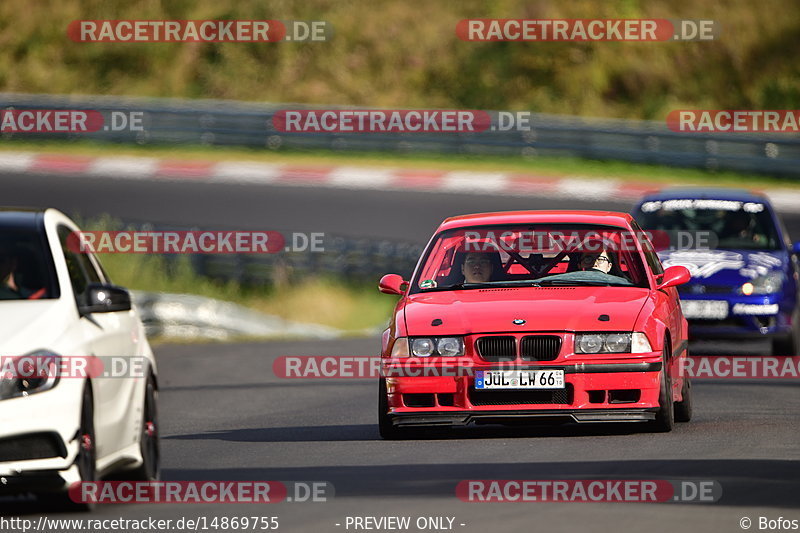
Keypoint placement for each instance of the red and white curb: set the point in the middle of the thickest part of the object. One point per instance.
(348, 177)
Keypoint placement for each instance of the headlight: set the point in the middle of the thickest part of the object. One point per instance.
(422, 347)
(441, 346)
(618, 342)
(400, 347)
(450, 346)
(588, 343)
(767, 284)
(612, 343)
(28, 374)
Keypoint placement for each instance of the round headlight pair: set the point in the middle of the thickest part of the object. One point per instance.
(604, 342)
(444, 346)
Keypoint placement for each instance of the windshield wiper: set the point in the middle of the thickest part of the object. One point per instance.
(576, 282)
(485, 285)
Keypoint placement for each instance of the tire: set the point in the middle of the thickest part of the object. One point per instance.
(790, 345)
(683, 408)
(665, 417)
(86, 460)
(386, 428)
(149, 441)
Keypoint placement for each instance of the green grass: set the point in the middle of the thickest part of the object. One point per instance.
(540, 166)
(349, 306)
(407, 54)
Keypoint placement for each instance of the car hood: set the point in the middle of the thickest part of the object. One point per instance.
(724, 267)
(543, 309)
(27, 325)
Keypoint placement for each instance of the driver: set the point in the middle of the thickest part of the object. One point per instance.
(8, 264)
(477, 267)
(596, 262)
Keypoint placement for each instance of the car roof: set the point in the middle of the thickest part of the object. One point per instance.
(706, 193)
(605, 218)
(21, 216)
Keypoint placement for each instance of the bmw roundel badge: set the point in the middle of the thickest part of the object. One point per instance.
(518, 322)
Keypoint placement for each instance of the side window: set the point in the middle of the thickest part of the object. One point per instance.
(649, 253)
(80, 267)
(651, 257)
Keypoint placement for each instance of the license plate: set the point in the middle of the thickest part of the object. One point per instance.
(519, 379)
(711, 309)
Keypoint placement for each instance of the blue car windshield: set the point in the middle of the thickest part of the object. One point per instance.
(734, 225)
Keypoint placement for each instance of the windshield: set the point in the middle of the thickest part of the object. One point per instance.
(25, 266)
(733, 224)
(531, 255)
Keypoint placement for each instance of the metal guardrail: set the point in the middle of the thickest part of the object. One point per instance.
(229, 123)
(188, 316)
(349, 258)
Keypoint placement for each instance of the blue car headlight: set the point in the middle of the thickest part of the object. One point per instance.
(766, 284)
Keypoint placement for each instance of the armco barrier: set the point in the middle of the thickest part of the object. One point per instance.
(349, 258)
(228, 123)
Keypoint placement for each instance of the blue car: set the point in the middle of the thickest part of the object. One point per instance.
(744, 268)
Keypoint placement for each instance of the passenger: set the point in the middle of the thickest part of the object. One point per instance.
(597, 262)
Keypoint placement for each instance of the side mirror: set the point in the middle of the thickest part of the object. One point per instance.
(105, 298)
(392, 284)
(674, 275)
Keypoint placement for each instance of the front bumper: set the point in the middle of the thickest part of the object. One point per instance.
(465, 418)
(49, 419)
(614, 390)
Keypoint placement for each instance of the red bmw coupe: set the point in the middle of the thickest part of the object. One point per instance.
(529, 316)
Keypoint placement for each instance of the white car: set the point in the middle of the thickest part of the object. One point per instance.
(58, 308)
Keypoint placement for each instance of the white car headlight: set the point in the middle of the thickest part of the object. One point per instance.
(29, 374)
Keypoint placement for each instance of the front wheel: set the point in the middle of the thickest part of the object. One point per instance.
(387, 430)
(149, 445)
(385, 426)
(683, 408)
(85, 461)
(665, 417)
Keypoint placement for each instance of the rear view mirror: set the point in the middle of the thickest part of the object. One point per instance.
(673, 276)
(105, 298)
(391, 284)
